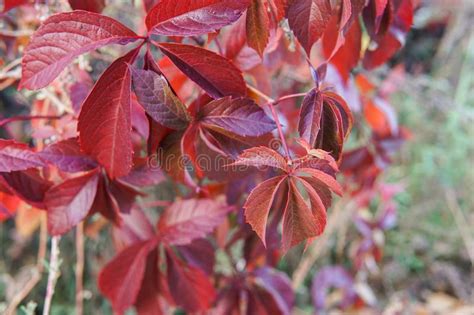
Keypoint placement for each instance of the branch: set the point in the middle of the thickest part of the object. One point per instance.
(53, 274)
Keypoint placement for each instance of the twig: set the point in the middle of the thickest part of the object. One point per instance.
(52, 275)
(460, 220)
(26, 117)
(37, 270)
(280, 129)
(79, 268)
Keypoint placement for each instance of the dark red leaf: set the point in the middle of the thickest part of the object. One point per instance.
(121, 279)
(299, 223)
(67, 156)
(257, 26)
(158, 99)
(69, 202)
(64, 36)
(105, 124)
(187, 220)
(310, 116)
(193, 17)
(262, 157)
(88, 5)
(258, 205)
(212, 72)
(27, 185)
(237, 115)
(189, 286)
(308, 20)
(15, 156)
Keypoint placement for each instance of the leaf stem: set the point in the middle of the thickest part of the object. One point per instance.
(52, 275)
(27, 117)
(280, 129)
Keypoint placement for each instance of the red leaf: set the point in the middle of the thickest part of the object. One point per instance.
(299, 223)
(261, 157)
(328, 180)
(308, 20)
(88, 5)
(121, 279)
(193, 17)
(187, 220)
(189, 286)
(67, 156)
(257, 26)
(158, 99)
(237, 115)
(212, 72)
(10, 4)
(69, 202)
(105, 124)
(15, 156)
(310, 116)
(64, 36)
(258, 205)
(27, 185)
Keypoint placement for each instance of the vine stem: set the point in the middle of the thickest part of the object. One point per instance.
(271, 104)
(26, 117)
(280, 129)
(52, 275)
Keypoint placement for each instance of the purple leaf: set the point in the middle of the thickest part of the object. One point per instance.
(237, 115)
(158, 99)
(67, 156)
(15, 156)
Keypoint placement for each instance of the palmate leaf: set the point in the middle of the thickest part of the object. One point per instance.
(193, 17)
(64, 36)
(301, 219)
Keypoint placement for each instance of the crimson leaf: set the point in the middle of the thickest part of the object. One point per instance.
(69, 202)
(308, 20)
(187, 220)
(189, 286)
(105, 124)
(193, 17)
(64, 36)
(121, 279)
(212, 72)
